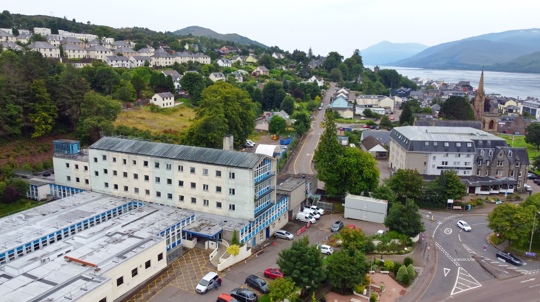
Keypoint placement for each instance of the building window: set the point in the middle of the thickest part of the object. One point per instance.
(205, 172)
(458, 155)
(456, 163)
(180, 183)
(434, 157)
(158, 180)
(67, 165)
(147, 192)
(477, 172)
(156, 165)
(458, 144)
(517, 165)
(85, 168)
(232, 207)
(169, 181)
(105, 171)
(206, 202)
(77, 179)
(434, 143)
(135, 176)
(445, 155)
(120, 281)
(134, 162)
(160, 257)
(218, 204)
(158, 194)
(446, 144)
(427, 143)
(231, 175)
(146, 178)
(68, 178)
(95, 159)
(512, 173)
(115, 186)
(126, 189)
(104, 157)
(86, 181)
(106, 185)
(125, 174)
(469, 145)
(134, 272)
(145, 163)
(444, 163)
(147, 264)
(193, 185)
(218, 173)
(124, 161)
(232, 191)
(181, 198)
(193, 200)
(168, 167)
(115, 173)
(425, 163)
(205, 187)
(180, 168)
(218, 189)
(169, 195)
(192, 170)
(136, 190)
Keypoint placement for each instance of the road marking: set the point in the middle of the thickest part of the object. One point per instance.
(464, 282)
(532, 279)
(534, 285)
(446, 271)
(468, 249)
(448, 231)
(459, 237)
(446, 253)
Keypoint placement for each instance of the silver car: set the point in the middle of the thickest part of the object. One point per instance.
(284, 235)
(464, 226)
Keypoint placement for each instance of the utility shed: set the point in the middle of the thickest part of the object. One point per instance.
(365, 208)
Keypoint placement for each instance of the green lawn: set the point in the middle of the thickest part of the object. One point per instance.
(518, 141)
(21, 205)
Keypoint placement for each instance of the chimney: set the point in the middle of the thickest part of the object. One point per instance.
(228, 142)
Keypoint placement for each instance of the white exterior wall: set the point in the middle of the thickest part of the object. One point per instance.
(148, 190)
(387, 102)
(453, 159)
(398, 156)
(162, 102)
(75, 171)
(76, 54)
(112, 292)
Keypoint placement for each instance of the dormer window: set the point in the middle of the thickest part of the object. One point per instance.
(510, 153)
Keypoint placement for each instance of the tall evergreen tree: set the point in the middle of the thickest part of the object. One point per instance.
(328, 155)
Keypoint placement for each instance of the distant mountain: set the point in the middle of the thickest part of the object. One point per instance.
(384, 52)
(198, 31)
(492, 51)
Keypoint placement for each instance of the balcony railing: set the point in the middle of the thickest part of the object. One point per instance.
(264, 192)
(264, 177)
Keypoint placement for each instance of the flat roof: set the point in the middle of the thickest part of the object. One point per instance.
(291, 184)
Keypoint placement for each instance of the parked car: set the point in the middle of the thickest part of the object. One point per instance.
(305, 217)
(537, 181)
(326, 249)
(527, 188)
(464, 226)
(313, 213)
(507, 257)
(225, 298)
(366, 126)
(317, 209)
(257, 283)
(273, 273)
(380, 232)
(208, 282)
(244, 295)
(249, 144)
(284, 235)
(531, 175)
(337, 226)
(362, 118)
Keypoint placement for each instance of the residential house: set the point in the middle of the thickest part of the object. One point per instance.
(8, 30)
(224, 62)
(117, 61)
(217, 76)
(146, 51)
(252, 59)
(42, 31)
(106, 40)
(7, 37)
(278, 56)
(137, 61)
(507, 164)
(120, 44)
(342, 107)
(99, 52)
(72, 51)
(237, 75)
(316, 63)
(374, 147)
(240, 59)
(400, 92)
(126, 51)
(72, 41)
(176, 77)
(23, 38)
(10, 45)
(383, 137)
(45, 48)
(184, 57)
(161, 58)
(314, 79)
(531, 107)
(55, 40)
(80, 63)
(163, 100)
(381, 101)
(93, 43)
(504, 103)
(260, 70)
(80, 36)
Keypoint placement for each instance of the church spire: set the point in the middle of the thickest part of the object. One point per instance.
(479, 99)
(481, 84)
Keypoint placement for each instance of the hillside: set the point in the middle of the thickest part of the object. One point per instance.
(528, 63)
(491, 51)
(198, 31)
(384, 52)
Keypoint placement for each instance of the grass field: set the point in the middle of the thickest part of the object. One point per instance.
(177, 118)
(21, 205)
(518, 141)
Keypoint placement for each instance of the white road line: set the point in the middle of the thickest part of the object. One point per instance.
(459, 237)
(466, 282)
(534, 285)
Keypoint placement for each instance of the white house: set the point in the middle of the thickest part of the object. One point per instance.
(314, 79)
(11, 45)
(42, 31)
(117, 61)
(7, 37)
(161, 58)
(46, 49)
(176, 77)
(163, 100)
(137, 61)
(99, 52)
(72, 51)
(224, 62)
(217, 76)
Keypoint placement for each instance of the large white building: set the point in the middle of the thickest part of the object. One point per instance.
(227, 183)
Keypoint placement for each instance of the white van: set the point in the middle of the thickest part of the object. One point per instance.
(317, 209)
(305, 217)
(208, 282)
(312, 213)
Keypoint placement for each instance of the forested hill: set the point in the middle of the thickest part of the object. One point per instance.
(198, 31)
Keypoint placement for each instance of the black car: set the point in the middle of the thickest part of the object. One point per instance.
(537, 181)
(257, 283)
(244, 295)
(531, 175)
(507, 257)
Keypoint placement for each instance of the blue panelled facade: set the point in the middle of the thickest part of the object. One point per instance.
(173, 234)
(264, 220)
(264, 177)
(63, 191)
(68, 231)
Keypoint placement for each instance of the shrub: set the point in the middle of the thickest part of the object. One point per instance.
(403, 275)
(407, 261)
(411, 272)
(397, 266)
(234, 240)
(389, 265)
(373, 297)
(233, 250)
(359, 288)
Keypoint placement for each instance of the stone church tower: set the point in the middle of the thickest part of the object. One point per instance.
(490, 117)
(479, 99)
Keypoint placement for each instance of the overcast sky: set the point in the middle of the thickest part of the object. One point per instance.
(323, 25)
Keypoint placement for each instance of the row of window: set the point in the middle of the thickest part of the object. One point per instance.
(168, 167)
(232, 191)
(447, 144)
(85, 167)
(135, 271)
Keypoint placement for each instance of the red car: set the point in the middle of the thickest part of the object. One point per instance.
(273, 273)
(366, 126)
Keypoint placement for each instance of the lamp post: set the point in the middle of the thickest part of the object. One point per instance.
(532, 231)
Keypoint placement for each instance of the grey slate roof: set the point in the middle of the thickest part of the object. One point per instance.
(72, 47)
(179, 152)
(447, 123)
(165, 95)
(41, 45)
(98, 48)
(369, 142)
(382, 136)
(173, 73)
(10, 45)
(117, 58)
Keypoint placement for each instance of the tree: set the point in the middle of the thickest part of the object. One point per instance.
(404, 219)
(385, 121)
(194, 84)
(406, 183)
(389, 78)
(358, 171)
(283, 288)
(346, 269)
(303, 264)
(512, 221)
(532, 134)
(403, 275)
(71, 88)
(267, 61)
(327, 156)
(336, 75)
(287, 105)
(277, 125)
(411, 272)
(97, 115)
(406, 117)
(451, 185)
(457, 108)
(44, 111)
(302, 123)
(272, 95)
(11, 194)
(105, 80)
(384, 192)
(355, 239)
(332, 61)
(126, 92)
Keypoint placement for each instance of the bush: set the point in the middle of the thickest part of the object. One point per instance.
(359, 289)
(373, 297)
(411, 271)
(397, 266)
(407, 261)
(235, 237)
(389, 265)
(403, 275)
(233, 250)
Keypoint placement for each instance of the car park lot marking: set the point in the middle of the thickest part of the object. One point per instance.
(464, 282)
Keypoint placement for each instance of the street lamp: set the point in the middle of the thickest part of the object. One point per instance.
(532, 231)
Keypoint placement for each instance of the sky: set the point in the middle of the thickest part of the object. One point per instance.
(322, 25)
